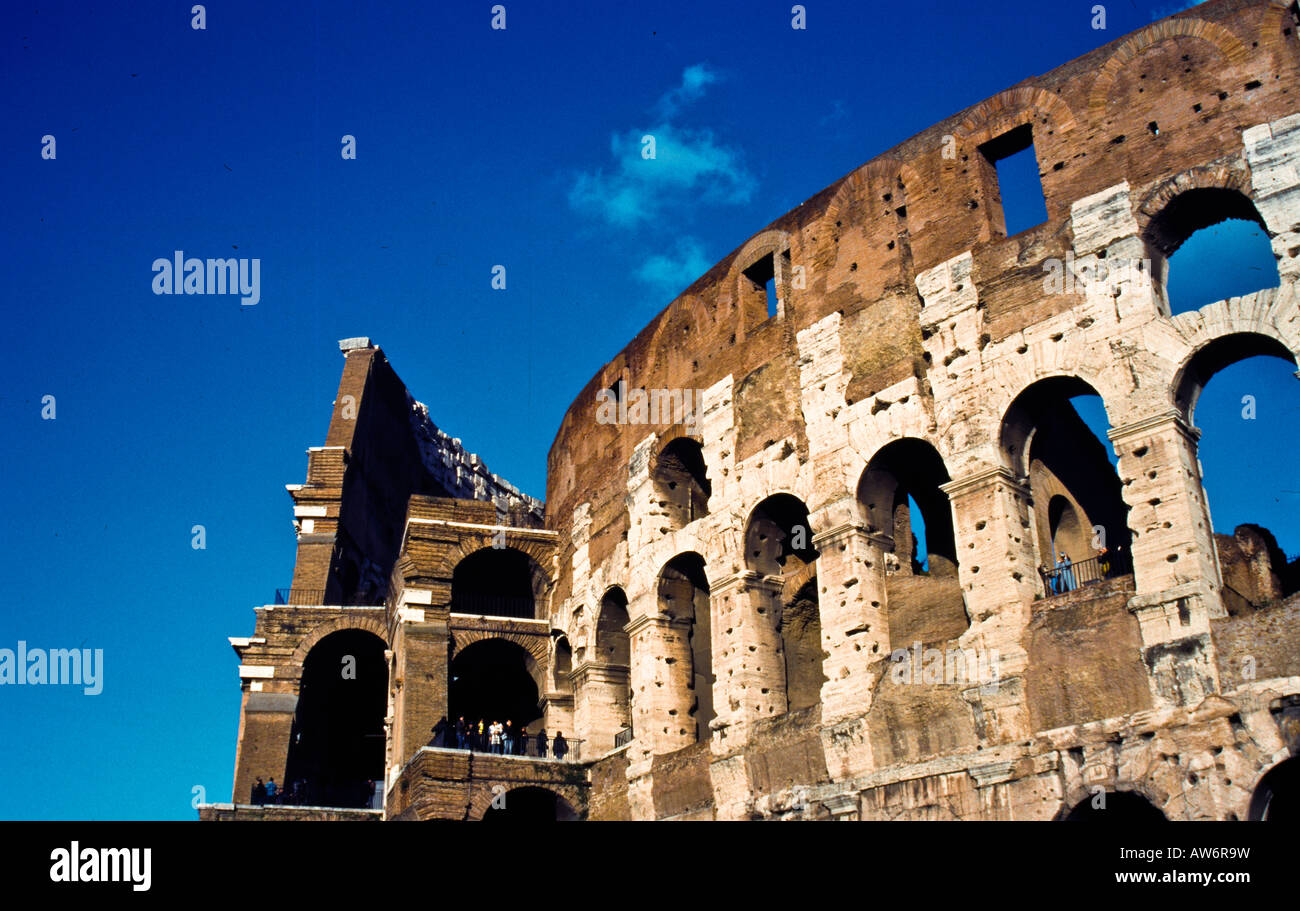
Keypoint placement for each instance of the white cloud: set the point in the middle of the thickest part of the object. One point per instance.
(689, 167)
(667, 275)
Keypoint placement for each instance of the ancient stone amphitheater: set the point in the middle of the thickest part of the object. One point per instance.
(721, 603)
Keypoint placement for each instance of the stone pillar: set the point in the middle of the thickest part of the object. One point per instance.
(662, 694)
(748, 657)
(992, 522)
(420, 658)
(559, 718)
(1175, 565)
(601, 705)
(855, 629)
(265, 729)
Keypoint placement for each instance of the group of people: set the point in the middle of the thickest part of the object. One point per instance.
(496, 737)
(268, 792)
(1061, 577)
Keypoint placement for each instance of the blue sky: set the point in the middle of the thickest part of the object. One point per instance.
(475, 148)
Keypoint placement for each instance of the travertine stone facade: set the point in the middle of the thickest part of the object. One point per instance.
(725, 602)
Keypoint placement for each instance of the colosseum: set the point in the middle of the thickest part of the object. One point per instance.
(722, 609)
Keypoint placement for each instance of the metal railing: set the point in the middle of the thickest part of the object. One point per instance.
(623, 738)
(493, 605)
(1067, 577)
(568, 749)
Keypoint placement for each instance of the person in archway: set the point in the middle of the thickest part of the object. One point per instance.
(270, 791)
(494, 736)
(521, 741)
(508, 739)
(259, 792)
(541, 743)
(559, 746)
(1066, 575)
(460, 733)
(479, 737)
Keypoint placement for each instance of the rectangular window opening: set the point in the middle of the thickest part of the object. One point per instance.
(763, 276)
(1019, 184)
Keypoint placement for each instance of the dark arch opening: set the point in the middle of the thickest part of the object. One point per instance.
(778, 541)
(778, 529)
(492, 680)
(681, 482)
(1209, 244)
(1070, 470)
(563, 665)
(336, 749)
(530, 804)
(1243, 393)
(901, 495)
(684, 594)
(614, 649)
(1277, 796)
(1120, 806)
(496, 582)
(904, 472)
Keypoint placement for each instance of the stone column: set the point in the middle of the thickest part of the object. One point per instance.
(601, 706)
(419, 689)
(1175, 564)
(265, 728)
(998, 572)
(748, 657)
(662, 695)
(852, 603)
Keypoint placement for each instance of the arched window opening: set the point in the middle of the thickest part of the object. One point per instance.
(1277, 796)
(530, 804)
(778, 531)
(1126, 807)
(494, 680)
(495, 582)
(336, 749)
(1079, 517)
(684, 595)
(681, 482)
(563, 666)
(904, 504)
(778, 541)
(1207, 245)
(614, 650)
(1242, 393)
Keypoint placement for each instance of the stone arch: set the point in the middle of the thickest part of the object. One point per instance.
(887, 171)
(1217, 339)
(534, 551)
(1044, 440)
(1075, 368)
(1276, 795)
(1231, 175)
(481, 797)
(536, 645)
(687, 315)
(320, 631)
(679, 475)
(1007, 109)
(1234, 51)
(537, 668)
(1130, 804)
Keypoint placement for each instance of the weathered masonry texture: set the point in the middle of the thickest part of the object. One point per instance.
(720, 601)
